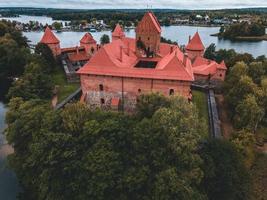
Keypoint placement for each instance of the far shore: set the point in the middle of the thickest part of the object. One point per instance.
(244, 38)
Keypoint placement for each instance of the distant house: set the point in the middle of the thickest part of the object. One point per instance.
(199, 17)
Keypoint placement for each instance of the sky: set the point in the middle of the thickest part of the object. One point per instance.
(101, 4)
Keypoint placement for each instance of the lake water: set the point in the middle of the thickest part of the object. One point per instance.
(8, 182)
(179, 34)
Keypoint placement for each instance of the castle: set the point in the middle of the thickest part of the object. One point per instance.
(117, 73)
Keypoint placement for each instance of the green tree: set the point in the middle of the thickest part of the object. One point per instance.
(104, 39)
(81, 154)
(240, 90)
(44, 51)
(225, 174)
(57, 25)
(256, 71)
(248, 114)
(12, 62)
(148, 104)
(244, 142)
(34, 84)
(210, 52)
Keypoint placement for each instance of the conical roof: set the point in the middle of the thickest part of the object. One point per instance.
(87, 39)
(118, 32)
(49, 37)
(195, 44)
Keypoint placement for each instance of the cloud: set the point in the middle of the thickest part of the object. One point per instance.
(98, 4)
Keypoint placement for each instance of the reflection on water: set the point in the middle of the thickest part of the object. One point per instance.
(8, 182)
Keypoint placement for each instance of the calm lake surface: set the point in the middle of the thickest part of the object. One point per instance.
(179, 34)
(8, 183)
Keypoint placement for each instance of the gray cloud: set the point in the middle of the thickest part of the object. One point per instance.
(95, 4)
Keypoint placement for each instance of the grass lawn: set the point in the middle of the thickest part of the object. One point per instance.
(64, 88)
(200, 100)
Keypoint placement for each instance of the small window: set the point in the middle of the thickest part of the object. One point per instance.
(220, 75)
(102, 101)
(148, 38)
(92, 50)
(139, 90)
(101, 87)
(171, 92)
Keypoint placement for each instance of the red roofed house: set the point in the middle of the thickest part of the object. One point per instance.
(51, 40)
(128, 67)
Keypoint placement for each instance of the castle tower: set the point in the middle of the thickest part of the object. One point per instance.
(88, 43)
(148, 34)
(117, 33)
(195, 47)
(51, 40)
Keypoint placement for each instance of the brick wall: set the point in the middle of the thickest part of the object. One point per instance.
(55, 48)
(126, 89)
(193, 54)
(88, 47)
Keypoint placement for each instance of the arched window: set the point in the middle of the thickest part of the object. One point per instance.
(101, 87)
(171, 92)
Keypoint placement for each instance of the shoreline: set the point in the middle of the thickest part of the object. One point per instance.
(243, 38)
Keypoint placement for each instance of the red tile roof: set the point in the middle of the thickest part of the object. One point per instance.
(195, 44)
(80, 56)
(149, 23)
(110, 61)
(49, 37)
(71, 49)
(204, 66)
(210, 69)
(200, 61)
(119, 58)
(88, 39)
(118, 32)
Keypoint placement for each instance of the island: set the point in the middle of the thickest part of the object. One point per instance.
(244, 31)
